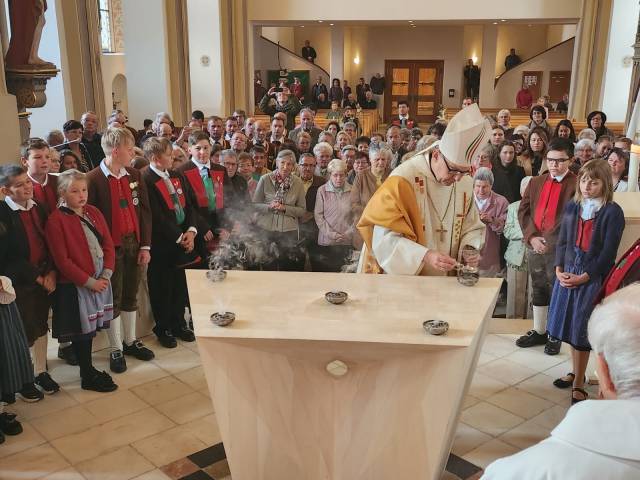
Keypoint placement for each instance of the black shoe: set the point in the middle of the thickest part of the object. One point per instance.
(167, 340)
(9, 425)
(99, 382)
(30, 393)
(531, 339)
(68, 355)
(185, 335)
(552, 346)
(117, 363)
(138, 350)
(47, 384)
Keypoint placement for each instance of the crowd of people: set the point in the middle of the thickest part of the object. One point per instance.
(88, 214)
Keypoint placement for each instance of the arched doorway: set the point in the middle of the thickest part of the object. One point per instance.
(119, 93)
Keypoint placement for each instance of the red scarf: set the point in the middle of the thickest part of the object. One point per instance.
(164, 191)
(547, 208)
(123, 219)
(195, 180)
(620, 271)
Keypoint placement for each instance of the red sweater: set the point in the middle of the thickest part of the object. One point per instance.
(69, 248)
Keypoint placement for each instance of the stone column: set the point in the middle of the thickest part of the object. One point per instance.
(336, 68)
(488, 66)
(635, 76)
(80, 51)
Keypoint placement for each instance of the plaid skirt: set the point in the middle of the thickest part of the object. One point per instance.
(16, 368)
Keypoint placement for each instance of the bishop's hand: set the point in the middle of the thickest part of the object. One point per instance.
(439, 261)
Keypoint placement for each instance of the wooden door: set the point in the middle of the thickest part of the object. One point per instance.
(559, 83)
(419, 82)
(533, 80)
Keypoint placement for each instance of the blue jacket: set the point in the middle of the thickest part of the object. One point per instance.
(607, 233)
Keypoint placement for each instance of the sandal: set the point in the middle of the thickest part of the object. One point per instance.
(575, 400)
(562, 383)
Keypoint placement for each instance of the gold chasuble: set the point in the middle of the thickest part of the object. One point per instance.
(414, 213)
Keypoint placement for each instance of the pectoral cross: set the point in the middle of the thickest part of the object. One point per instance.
(442, 231)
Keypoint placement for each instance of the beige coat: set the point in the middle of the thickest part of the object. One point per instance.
(294, 200)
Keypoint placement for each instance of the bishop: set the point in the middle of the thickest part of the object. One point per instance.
(423, 216)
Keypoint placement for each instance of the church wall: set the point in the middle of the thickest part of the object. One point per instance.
(559, 33)
(205, 40)
(377, 44)
(528, 41)
(284, 35)
(617, 74)
(112, 64)
(472, 43)
(556, 59)
(146, 60)
(458, 10)
(320, 38)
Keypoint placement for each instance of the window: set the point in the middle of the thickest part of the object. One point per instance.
(106, 36)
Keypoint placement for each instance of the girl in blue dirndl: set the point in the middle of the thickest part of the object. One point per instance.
(590, 234)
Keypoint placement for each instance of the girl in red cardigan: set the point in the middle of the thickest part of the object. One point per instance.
(83, 252)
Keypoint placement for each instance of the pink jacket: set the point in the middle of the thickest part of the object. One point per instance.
(333, 215)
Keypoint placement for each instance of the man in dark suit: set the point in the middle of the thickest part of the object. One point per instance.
(308, 227)
(308, 52)
(306, 125)
(512, 60)
(284, 102)
(472, 79)
(403, 120)
(317, 89)
(369, 103)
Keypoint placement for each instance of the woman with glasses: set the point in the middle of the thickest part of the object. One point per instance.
(360, 164)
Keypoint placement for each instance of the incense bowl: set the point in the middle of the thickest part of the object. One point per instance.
(435, 327)
(336, 297)
(222, 319)
(217, 275)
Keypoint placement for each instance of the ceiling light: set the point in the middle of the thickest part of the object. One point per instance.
(503, 20)
(331, 24)
(320, 21)
(301, 26)
(495, 23)
(410, 21)
(356, 60)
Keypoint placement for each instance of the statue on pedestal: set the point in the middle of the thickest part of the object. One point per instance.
(27, 22)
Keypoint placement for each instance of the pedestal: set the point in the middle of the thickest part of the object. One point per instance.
(304, 389)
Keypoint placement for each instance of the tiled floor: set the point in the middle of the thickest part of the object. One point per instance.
(161, 415)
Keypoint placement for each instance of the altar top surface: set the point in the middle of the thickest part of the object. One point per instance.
(380, 309)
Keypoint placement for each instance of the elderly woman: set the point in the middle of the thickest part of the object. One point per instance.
(323, 153)
(516, 259)
(348, 154)
(493, 213)
(342, 140)
(587, 133)
(618, 160)
(334, 218)
(523, 131)
(303, 142)
(360, 164)
(504, 120)
(596, 121)
(368, 181)
(280, 202)
(584, 151)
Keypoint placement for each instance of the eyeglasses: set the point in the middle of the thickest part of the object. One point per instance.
(454, 170)
(557, 161)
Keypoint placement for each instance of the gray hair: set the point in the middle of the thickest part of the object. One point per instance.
(305, 155)
(584, 144)
(349, 124)
(227, 153)
(504, 110)
(337, 165)
(322, 147)
(66, 178)
(285, 154)
(425, 142)
(307, 110)
(381, 150)
(484, 174)
(587, 133)
(347, 148)
(614, 333)
(521, 130)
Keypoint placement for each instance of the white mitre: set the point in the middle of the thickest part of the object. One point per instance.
(465, 134)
